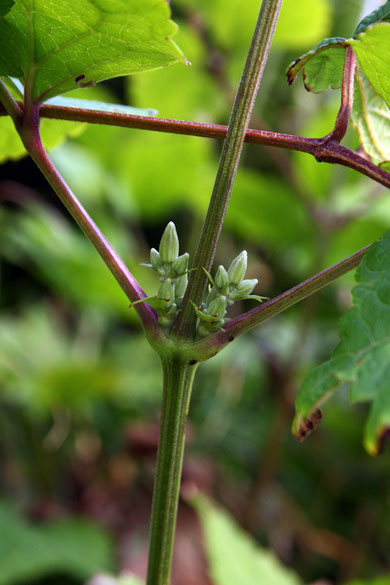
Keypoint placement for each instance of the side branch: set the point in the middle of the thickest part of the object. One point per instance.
(323, 149)
(213, 344)
(29, 133)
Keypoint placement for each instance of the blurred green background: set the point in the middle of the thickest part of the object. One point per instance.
(81, 389)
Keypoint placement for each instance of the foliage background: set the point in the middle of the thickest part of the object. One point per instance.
(79, 386)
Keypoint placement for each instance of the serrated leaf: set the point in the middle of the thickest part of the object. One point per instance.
(233, 556)
(372, 49)
(379, 15)
(322, 66)
(5, 6)
(54, 47)
(362, 359)
(371, 119)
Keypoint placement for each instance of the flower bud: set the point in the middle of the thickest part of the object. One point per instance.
(180, 265)
(221, 279)
(166, 292)
(244, 288)
(237, 268)
(217, 307)
(180, 286)
(155, 259)
(169, 244)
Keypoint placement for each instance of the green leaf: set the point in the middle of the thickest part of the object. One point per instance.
(5, 6)
(371, 119)
(322, 66)
(302, 23)
(55, 48)
(232, 555)
(380, 15)
(30, 552)
(363, 357)
(98, 106)
(372, 49)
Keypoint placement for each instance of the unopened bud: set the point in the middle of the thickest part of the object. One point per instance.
(180, 286)
(237, 268)
(180, 265)
(166, 292)
(169, 244)
(221, 279)
(155, 259)
(217, 307)
(244, 288)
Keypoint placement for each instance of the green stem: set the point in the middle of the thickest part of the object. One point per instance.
(230, 157)
(178, 379)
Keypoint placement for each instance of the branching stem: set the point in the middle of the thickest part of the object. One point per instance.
(213, 344)
(228, 164)
(29, 132)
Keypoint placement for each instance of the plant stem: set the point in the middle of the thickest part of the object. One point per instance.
(210, 346)
(29, 132)
(178, 379)
(347, 94)
(323, 149)
(230, 158)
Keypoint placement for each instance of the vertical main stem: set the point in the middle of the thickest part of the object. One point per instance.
(230, 158)
(178, 379)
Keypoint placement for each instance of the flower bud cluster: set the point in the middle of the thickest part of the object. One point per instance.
(227, 287)
(172, 271)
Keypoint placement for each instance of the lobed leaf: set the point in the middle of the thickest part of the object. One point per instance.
(362, 359)
(55, 47)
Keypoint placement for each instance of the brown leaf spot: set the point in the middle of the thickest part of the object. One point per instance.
(308, 424)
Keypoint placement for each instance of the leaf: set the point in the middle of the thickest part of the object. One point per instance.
(30, 552)
(302, 23)
(55, 48)
(5, 6)
(99, 106)
(372, 49)
(371, 119)
(322, 66)
(363, 357)
(232, 555)
(379, 15)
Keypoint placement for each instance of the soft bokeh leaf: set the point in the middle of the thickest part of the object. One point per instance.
(232, 555)
(373, 52)
(378, 581)
(371, 119)
(53, 132)
(30, 552)
(302, 23)
(362, 358)
(100, 40)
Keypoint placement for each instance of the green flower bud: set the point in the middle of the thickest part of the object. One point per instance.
(243, 289)
(166, 292)
(155, 259)
(217, 307)
(169, 244)
(212, 295)
(180, 265)
(237, 268)
(222, 279)
(180, 286)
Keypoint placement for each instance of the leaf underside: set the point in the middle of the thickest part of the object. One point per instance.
(362, 360)
(55, 46)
